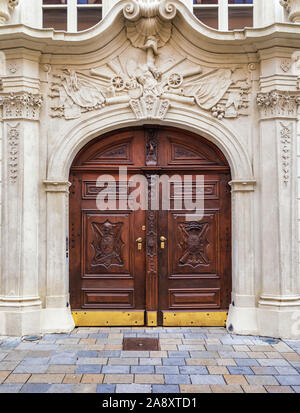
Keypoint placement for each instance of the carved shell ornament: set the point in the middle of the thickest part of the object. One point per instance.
(146, 19)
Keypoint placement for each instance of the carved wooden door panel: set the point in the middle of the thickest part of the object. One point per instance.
(194, 256)
(107, 263)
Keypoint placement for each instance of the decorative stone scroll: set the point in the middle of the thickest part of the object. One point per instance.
(278, 103)
(286, 143)
(21, 106)
(6, 9)
(13, 135)
(293, 8)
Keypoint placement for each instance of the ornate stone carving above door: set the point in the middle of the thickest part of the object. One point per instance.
(150, 75)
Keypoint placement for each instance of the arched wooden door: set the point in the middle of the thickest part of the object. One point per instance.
(161, 264)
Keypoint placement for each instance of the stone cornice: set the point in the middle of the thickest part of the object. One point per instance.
(21, 106)
(281, 104)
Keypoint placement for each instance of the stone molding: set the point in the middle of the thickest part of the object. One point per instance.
(6, 9)
(243, 185)
(57, 186)
(278, 104)
(21, 106)
(293, 8)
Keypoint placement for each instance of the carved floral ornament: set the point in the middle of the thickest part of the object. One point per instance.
(293, 8)
(148, 79)
(278, 103)
(21, 106)
(6, 9)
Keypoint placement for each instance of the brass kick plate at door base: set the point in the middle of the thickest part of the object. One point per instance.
(141, 344)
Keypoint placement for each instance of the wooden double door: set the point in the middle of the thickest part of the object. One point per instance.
(141, 254)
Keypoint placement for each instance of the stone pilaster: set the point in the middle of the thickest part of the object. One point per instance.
(19, 293)
(57, 315)
(279, 301)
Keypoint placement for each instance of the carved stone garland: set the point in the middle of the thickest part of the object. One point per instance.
(286, 143)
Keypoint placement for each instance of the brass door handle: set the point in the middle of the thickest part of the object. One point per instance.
(163, 242)
(139, 243)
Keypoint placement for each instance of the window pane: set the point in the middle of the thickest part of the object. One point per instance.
(89, 1)
(55, 19)
(205, 1)
(208, 16)
(240, 1)
(240, 18)
(88, 17)
(55, 1)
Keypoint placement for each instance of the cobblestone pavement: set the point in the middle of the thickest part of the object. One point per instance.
(191, 360)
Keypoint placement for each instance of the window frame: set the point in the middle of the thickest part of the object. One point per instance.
(72, 15)
(223, 11)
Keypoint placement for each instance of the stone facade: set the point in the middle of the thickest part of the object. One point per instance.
(150, 62)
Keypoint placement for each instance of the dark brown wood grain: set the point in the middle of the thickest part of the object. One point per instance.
(107, 270)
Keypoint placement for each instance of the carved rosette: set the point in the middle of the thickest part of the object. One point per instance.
(6, 9)
(293, 9)
(278, 103)
(21, 106)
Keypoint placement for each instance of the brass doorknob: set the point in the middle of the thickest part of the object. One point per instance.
(139, 243)
(163, 242)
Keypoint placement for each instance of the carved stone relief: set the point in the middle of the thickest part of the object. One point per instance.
(21, 106)
(293, 9)
(286, 143)
(13, 152)
(6, 9)
(278, 103)
(149, 78)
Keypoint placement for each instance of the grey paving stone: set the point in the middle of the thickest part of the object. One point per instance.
(142, 369)
(262, 380)
(123, 362)
(204, 354)
(264, 370)
(110, 353)
(289, 380)
(167, 370)
(273, 362)
(10, 388)
(173, 361)
(92, 360)
(179, 354)
(133, 388)
(135, 354)
(85, 388)
(61, 388)
(35, 360)
(106, 388)
(11, 343)
(115, 369)
(207, 379)
(88, 369)
(88, 353)
(35, 388)
(176, 379)
(239, 370)
(165, 388)
(289, 371)
(2, 356)
(296, 389)
(193, 370)
(195, 336)
(8, 365)
(31, 369)
(246, 362)
(150, 361)
(233, 355)
(98, 335)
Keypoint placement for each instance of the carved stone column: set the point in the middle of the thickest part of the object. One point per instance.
(242, 317)
(293, 9)
(57, 315)
(280, 297)
(19, 289)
